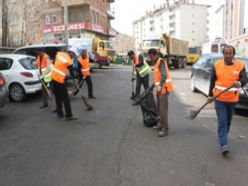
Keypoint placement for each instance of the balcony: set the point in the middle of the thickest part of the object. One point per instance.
(110, 14)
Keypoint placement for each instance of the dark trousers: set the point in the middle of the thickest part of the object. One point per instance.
(162, 107)
(224, 111)
(89, 85)
(61, 94)
(44, 94)
(139, 82)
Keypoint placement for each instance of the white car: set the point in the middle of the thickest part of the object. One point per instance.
(21, 76)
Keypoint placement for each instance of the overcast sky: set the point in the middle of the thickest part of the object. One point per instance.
(126, 11)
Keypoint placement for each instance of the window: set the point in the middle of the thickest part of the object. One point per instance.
(12, 1)
(47, 20)
(55, 20)
(5, 63)
(33, 34)
(27, 63)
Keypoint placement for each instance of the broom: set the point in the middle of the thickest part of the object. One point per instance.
(194, 113)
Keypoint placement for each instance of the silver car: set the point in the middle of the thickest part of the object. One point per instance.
(3, 91)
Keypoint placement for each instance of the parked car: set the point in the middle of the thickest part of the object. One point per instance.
(201, 74)
(21, 76)
(3, 91)
(50, 48)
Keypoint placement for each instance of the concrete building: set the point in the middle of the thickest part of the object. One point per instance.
(42, 20)
(234, 18)
(183, 20)
(86, 18)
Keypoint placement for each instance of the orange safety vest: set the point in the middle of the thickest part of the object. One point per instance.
(42, 62)
(135, 61)
(167, 85)
(85, 65)
(226, 75)
(62, 61)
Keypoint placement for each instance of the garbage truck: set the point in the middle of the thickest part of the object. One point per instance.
(173, 50)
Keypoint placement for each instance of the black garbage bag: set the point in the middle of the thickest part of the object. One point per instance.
(148, 107)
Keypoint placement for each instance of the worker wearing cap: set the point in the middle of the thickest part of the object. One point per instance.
(44, 66)
(163, 85)
(226, 72)
(63, 63)
(142, 70)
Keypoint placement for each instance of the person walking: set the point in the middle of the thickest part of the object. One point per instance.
(162, 85)
(142, 70)
(63, 63)
(84, 72)
(225, 73)
(44, 66)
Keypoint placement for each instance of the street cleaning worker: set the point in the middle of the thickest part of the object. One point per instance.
(44, 66)
(141, 69)
(226, 72)
(84, 72)
(163, 85)
(63, 63)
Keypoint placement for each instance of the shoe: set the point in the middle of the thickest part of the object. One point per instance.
(157, 127)
(71, 118)
(225, 150)
(92, 97)
(136, 103)
(43, 106)
(163, 132)
(60, 116)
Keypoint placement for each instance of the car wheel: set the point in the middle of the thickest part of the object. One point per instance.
(17, 92)
(100, 66)
(192, 85)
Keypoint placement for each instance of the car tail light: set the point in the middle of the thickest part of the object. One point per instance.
(2, 81)
(27, 74)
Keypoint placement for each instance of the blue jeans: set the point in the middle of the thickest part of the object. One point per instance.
(224, 111)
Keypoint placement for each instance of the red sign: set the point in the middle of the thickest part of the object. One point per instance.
(71, 26)
(74, 26)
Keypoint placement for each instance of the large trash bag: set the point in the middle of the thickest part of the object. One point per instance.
(148, 108)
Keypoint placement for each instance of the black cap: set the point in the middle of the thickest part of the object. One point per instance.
(130, 52)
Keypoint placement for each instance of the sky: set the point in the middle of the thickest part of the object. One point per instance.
(127, 11)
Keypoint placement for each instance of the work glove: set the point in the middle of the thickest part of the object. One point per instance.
(133, 78)
(159, 88)
(210, 99)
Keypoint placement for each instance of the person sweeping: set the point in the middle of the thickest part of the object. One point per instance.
(225, 73)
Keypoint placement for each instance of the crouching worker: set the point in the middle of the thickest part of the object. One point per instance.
(142, 70)
(63, 63)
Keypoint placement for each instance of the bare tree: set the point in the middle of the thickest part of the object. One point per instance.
(4, 22)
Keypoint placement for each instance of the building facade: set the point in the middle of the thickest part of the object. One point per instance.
(36, 21)
(183, 20)
(234, 18)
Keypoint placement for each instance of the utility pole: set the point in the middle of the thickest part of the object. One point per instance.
(66, 33)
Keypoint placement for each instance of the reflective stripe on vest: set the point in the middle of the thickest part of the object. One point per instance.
(144, 70)
(85, 66)
(167, 85)
(226, 76)
(59, 70)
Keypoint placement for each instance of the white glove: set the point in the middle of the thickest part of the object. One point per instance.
(159, 88)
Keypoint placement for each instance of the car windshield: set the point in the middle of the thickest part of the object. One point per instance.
(27, 63)
(192, 51)
(151, 43)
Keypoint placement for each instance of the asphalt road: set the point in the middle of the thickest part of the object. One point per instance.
(109, 146)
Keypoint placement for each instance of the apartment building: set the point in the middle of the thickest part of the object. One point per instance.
(234, 18)
(36, 21)
(86, 18)
(183, 20)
